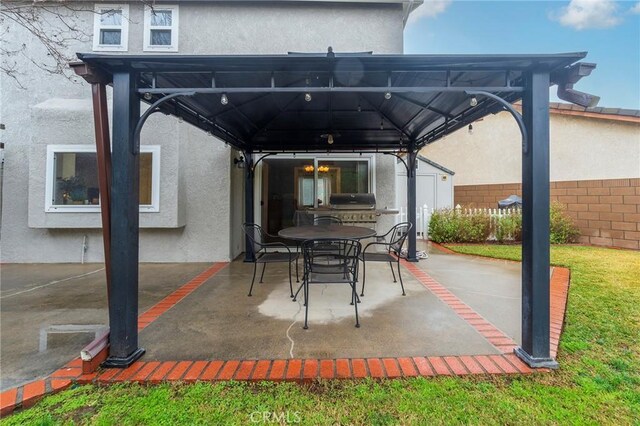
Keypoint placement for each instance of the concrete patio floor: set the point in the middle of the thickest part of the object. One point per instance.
(217, 321)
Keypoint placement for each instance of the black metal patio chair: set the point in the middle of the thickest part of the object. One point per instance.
(327, 220)
(391, 254)
(338, 267)
(259, 248)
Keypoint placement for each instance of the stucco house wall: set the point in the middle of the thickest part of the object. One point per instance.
(582, 148)
(199, 185)
(594, 169)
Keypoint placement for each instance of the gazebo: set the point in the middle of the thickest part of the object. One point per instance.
(264, 105)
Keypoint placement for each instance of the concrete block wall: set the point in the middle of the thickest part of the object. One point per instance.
(607, 211)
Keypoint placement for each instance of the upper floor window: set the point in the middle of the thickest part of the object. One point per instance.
(161, 28)
(111, 27)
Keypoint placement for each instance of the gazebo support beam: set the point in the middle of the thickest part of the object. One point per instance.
(249, 174)
(411, 201)
(103, 154)
(535, 349)
(125, 212)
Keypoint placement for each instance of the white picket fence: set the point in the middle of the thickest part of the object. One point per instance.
(423, 216)
(494, 214)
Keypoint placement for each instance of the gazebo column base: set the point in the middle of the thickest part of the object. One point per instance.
(123, 362)
(535, 362)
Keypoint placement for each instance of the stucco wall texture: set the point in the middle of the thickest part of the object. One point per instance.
(581, 149)
(197, 190)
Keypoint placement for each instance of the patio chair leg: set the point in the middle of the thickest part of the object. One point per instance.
(400, 276)
(290, 285)
(264, 266)
(295, 296)
(297, 278)
(354, 293)
(306, 303)
(364, 274)
(254, 277)
(392, 273)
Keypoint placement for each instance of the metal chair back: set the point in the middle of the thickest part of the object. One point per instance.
(398, 236)
(327, 220)
(341, 260)
(256, 236)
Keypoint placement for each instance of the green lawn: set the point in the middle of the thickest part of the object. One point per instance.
(598, 381)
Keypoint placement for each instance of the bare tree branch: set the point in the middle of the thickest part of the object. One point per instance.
(56, 25)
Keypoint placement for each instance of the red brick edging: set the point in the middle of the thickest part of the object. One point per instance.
(559, 291)
(301, 370)
(489, 331)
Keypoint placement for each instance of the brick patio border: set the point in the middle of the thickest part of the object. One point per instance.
(302, 370)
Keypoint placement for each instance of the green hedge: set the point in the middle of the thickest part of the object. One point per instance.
(450, 226)
(457, 226)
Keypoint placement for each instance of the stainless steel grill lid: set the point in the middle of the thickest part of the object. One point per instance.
(353, 201)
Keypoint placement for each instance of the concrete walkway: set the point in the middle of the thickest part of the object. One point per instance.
(34, 297)
(206, 329)
(217, 321)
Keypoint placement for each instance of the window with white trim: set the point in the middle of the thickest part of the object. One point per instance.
(161, 28)
(111, 27)
(72, 179)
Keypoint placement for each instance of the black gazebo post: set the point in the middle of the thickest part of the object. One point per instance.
(125, 210)
(535, 223)
(249, 175)
(411, 201)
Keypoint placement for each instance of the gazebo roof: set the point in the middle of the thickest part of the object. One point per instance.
(363, 102)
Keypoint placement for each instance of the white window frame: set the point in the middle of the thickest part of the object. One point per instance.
(49, 207)
(124, 28)
(315, 158)
(175, 19)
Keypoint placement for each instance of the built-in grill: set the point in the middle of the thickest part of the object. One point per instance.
(352, 209)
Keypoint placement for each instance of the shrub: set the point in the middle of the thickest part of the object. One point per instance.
(443, 226)
(508, 228)
(562, 228)
(450, 226)
(474, 227)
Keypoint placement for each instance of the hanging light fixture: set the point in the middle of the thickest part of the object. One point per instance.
(387, 95)
(148, 96)
(330, 139)
(307, 97)
(223, 99)
(470, 129)
(473, 101)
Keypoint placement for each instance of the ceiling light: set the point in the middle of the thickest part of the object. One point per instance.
(381, 124)
(470, 129)
(330, 139)
(148, 96)
(473, 102)
(359, 108)
(307, 97)
(223, 99)
(387, 95)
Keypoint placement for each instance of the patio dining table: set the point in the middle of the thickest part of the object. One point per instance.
(310, 232)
